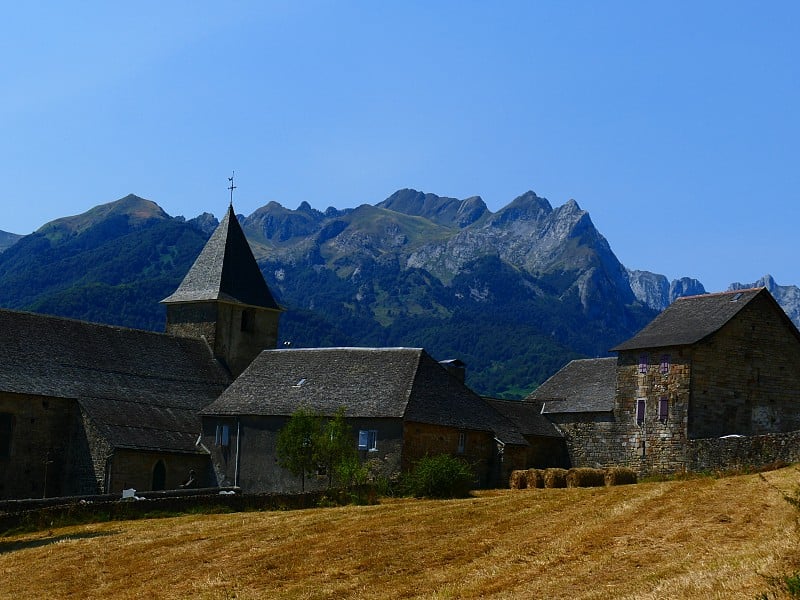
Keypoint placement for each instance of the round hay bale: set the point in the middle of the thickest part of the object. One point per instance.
(535, 478)
(555, 478)
(586, 477)
(620, 476)
(518, 480)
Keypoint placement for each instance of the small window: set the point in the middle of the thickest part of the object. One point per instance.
(665, 362)
(462, 442)
(643, 360)
(368, 439)
(223, 437)
(641, 404)
(6, 429)
(663, 409)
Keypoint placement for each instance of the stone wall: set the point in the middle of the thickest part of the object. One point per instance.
(714, 454)
(746, 378)
(423, 439)
(36, 463)
(591, 438)
(659, 380)
(135, 468)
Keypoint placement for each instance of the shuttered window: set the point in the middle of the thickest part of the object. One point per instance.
(663, 409)
(641, 404)
(223, 435)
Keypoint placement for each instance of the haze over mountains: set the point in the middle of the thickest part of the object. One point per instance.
(514, 294)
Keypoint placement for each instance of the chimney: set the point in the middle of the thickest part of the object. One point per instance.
(456, 368)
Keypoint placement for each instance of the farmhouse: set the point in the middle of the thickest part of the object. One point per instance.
(710, 383)
(400, 403)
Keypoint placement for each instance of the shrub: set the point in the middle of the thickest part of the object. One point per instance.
(440, 476)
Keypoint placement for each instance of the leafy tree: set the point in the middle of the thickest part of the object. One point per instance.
(309, 443)
(296, 444)
(336, 452)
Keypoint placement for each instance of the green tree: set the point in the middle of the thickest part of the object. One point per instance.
(296, 444)
(336, 450)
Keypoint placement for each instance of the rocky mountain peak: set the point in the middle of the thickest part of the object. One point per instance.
(449, 212)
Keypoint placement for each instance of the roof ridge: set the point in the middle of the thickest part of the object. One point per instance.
(725, 293)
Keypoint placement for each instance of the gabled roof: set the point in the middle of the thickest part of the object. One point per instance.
(693, 318)
(399, 383)
(526, 416)
(225, 270)
(141, 389)
(585, 385)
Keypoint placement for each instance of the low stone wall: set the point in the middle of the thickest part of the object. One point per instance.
(712, 454)
(40, 514)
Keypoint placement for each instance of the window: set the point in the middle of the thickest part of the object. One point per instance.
(641, 404)
(643, 360)
(368, 439)
(223, 437)
(665, 364)
(462, 442)
(6, 429)
(663, 409)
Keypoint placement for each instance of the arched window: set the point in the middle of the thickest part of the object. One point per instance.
(159, 476)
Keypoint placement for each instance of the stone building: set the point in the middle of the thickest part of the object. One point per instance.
(87, 408)
(400, 403)
(710, 383)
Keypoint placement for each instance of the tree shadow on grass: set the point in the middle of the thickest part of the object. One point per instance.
(6, 547)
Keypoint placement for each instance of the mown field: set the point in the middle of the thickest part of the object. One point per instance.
(700, 538)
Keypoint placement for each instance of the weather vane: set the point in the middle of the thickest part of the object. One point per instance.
(231, 187)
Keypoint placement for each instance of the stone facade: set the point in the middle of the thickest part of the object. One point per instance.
(236, 333)
(33, 450)
(590, 440)
(477, 448)
(743, 452)
(148, 471)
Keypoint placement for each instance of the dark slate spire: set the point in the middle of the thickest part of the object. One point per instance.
(225, 270)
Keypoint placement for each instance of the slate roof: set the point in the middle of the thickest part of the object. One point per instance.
(692, 318)
(398, 383)
(585, 385)
(142, 390)
(526, 416)
(225, 270)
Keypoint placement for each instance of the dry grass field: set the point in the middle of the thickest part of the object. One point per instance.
(701, 538)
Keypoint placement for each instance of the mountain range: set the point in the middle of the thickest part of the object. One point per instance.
(514, 294)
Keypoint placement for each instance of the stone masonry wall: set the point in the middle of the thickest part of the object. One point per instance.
(658, 379)
(746, 378)
(711, 454)
(591, 438)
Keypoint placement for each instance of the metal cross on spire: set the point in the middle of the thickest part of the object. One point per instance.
(231, 187)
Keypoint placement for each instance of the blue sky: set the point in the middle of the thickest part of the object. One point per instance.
(675, 124)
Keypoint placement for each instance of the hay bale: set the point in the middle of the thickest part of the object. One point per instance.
(535, 478)
(620, 476)
(518, 480)
(586, 477)
(555, 478)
